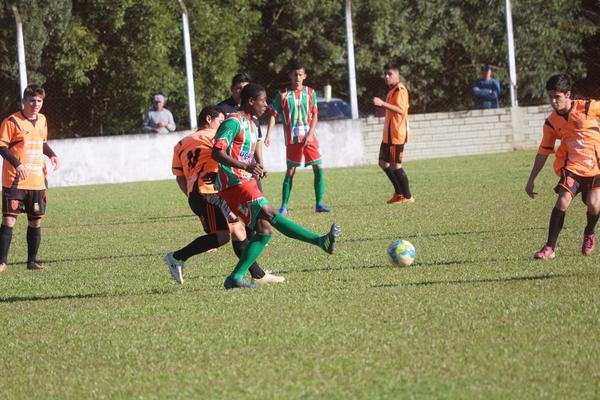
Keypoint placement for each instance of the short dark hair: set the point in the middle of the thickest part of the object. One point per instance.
(242, 77)
(212, 111)
(559, 83)
(392, 65)
(251, 91)
(34, 90)
(295, 65)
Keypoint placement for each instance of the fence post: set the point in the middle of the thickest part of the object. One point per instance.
(20, 51)
(188, 66)
(351, 67)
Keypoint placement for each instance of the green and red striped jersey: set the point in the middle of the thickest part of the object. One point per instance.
(237, 136)
(298, 107)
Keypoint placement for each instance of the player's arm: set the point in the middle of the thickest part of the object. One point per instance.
(48, 152)
(269, 130)
(393, 107)
(222, 157)
(538, 164)
(181, 182)
(310, 136)
(7, 132)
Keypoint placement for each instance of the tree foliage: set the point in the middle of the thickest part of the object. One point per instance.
(101, 60)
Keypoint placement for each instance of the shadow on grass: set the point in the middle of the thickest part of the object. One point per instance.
(483, 280)
(98, 258)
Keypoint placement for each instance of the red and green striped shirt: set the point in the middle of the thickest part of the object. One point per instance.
(237, 136)
(299, 107)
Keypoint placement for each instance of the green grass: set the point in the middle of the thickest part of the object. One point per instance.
(474, 317)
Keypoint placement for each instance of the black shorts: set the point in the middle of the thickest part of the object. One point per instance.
(16, 201)
(391, 153)
(212, 210)
(574, 184)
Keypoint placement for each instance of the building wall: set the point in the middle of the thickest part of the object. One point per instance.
(114, 159)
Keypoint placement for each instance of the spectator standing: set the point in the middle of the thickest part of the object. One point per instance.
(158, 119)
(486, 89)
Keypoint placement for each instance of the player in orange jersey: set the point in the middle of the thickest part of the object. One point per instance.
(575, 124)
(195, 172)
(23, 145)
(395, 134)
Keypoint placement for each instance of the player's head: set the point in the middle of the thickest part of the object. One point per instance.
(559, 92)
(158, 101)
(391, 73)
(210, 117)
(485, 72)
(297, 73)
(33, 99)
(254, 99)
(237, 84)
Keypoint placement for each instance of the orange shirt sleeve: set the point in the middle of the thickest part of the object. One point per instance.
(548, 140)
(7, 130)
(176, 165)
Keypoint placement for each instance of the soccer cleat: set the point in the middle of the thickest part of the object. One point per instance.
(175, 267)
(32, 265)
(2, 267)
(395, 199)
(283, 211)
(268, 279)
(231, 283)
(407, 200)
(321, 208)
(329, 240)
(589, 243)
(546, 253)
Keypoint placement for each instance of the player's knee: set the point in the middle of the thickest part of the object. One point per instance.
(383, 164)
(222, 237)
(290, 171)
(263, 226)
(9, 221)
(238, 232)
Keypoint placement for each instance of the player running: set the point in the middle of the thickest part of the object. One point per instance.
(234, 146)
(298, 106)
(575, 124)
(23, 145)
(195, 172)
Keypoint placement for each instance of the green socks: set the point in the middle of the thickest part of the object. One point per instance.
(255, 247)
(286, 191)
(295, 231)
(319, 185)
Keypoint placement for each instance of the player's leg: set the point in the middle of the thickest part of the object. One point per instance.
(293, 154)
(557, 220)
(240, 242)
(12, 203)
(399, 173)
(593, 212)
(217, 233)
(384, 164)
(35, 206)
(312, 156)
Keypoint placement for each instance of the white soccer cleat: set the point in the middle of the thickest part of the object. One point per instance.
(269, 279)
(175, 267)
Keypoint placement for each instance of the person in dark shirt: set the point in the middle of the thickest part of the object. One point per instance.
(486, 89)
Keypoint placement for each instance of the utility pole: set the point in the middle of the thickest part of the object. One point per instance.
(188, 66)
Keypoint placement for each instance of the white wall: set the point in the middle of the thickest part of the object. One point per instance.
(130, 158)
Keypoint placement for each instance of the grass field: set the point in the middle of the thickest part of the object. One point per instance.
(474, 317)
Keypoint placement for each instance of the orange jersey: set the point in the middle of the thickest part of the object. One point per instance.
(25, 139)
(192, 160)
(395, 126)
(579, 135)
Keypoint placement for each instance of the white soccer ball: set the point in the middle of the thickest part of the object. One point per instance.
(401, 253)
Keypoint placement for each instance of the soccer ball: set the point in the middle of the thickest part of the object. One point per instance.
(401, 253)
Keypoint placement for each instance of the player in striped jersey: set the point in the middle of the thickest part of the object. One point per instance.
(575, 124)
(23, 145)
(233, 150)
(298, 107)
(395, 134)
(195, 172)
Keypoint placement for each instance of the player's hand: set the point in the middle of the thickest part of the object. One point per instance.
(21, 172)
(308, 139)
(267, 140)
(529, 189)
(378, 102)
(55, 162)
(254, 168)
